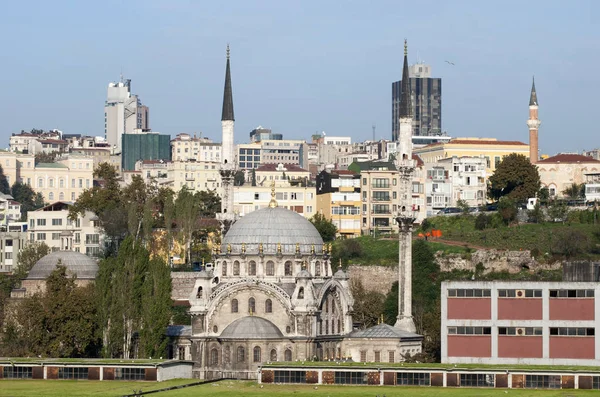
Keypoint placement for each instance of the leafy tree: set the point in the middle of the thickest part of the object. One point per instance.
(544, 194)
(30, 200)
(507, 208)
(4, 186)
(516, 178)
(425, 269)
(187, 211)
(572, 243)
(536, 215)
(390, 305)
(28, 256)
(557, 211)
(368, 305)
(463, 206)
(575, 191)
(324, 226)
(239, 178)
(210, 203)
(482, 221)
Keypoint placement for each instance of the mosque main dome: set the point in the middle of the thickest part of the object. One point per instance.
(77, 264)
(277, 229)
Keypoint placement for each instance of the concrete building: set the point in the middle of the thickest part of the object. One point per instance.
(184, 147)
(282, 175)
(516, 322)
(144, 145)
(11, 244)
(261, 134)
(284, 151)
(123, 113)
(426, 100)
(26, 142)
(438, 187)
(99, 154)
(249, 156)
(491, 149)
(559, 172)
(338, 199)
(592, 187)
(301, 200)
(468, 178)
(51, 225)
(10, 210)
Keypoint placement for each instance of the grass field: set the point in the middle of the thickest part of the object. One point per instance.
(238, 388)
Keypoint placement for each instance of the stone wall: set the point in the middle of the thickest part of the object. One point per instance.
(183, 284)
(374, 278)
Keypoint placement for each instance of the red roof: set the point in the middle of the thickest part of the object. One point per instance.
(478, 142)
(419, 161)
(568, 158)
(288, 167)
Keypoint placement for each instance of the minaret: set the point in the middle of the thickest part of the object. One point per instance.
(228, 158)
(406, 215)
(534, 124)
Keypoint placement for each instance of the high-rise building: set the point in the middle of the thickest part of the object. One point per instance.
(260, 134)
(426, 97)
(123, 113)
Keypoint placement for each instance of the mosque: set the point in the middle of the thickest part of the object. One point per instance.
(272, 294)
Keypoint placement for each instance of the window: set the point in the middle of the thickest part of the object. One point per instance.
(364, 181)
(363, 356)
(288, 268)
(251, 305)
(542, 381)
(477, 380)
(41, 236)
(256, 354)
(40, 182)
(41, 222)
(520, 331)
(73, 196)
(224, 268)
(55, 236)
(14, 372)
(381, 183)
(301, 293)
(130, 373)
(289, 376)
(241, 354)
(413, 379)
(234, 305)
(520, 293)
(252, 268)
(56, 222)
(571, 293)
(564, 331)
(469, 293)
(214, 356)
(350, 378)
(51, 196)
(72, 372)
(496, 161)
(199, 293)
(73, 182)
(268, 306)
(236, 268)
(92, 239)
(273, 355)
(377, 356)
(61, 183)
(61, 196)
(469, 331)
(287, 355)
(270, 268)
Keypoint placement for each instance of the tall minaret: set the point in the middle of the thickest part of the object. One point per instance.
(228, 159)
(534, 124)
(406, 214)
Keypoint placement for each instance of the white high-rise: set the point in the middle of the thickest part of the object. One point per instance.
(123, 113)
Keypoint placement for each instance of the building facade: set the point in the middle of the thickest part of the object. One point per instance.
(144, 145)
(184, 147)
(559, 172)
(542, 323)
(338, 199)
(301, 200)
(11, 243)
(468, 178)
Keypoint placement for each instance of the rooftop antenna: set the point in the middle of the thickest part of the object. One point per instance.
(374, 126)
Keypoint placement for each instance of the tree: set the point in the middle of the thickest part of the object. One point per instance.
(324, 226)
(187, 210)
(536, 215)
(516, 178)
(239, 178)
(572, 243)
(575, 191)
(463, 206)
(507, 208)
(368, 305)
(4, 186)
(557, 211)
(30, 200)
(44, 157)
(28, 256)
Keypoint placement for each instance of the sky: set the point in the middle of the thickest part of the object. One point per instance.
(301, 67)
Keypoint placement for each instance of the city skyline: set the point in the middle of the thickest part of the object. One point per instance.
(301, 68)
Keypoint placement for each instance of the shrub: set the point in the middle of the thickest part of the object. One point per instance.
(482, 221)
(352, 248)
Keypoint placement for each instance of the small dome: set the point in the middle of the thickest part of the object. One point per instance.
(77, 264)
(303, 274)
(340, 275)
(271, 227)
(251, 327)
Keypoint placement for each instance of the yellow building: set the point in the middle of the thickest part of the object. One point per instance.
(300, 199)
(338, 199)
(491, 149)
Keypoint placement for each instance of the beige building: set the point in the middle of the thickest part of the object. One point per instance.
(10, 245)
(194, 175)
(282, 174)
(559, 172)
(186, 147)
(287, 151)
(491, 149)
(63, 180)
(338, 199)
(51, 225)
(98, 155)
(468, 179)
(302, 200)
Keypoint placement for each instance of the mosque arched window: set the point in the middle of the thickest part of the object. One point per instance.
(288, 268)
(234, 305)
(251, 305)
(224, 268)
(214, 356)
(199, 293)
(301, 293)
(270, 268)
(241, 354)
(268, 306)
(256, 354)
(236, 268)
(252, 268)
(332, 326)
(227, 355)
(273, 356)
(288, 355)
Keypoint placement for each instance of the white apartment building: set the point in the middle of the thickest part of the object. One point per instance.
(11, 244)
(185, 147)
(300, 199)
(282, 174)
(468, 178)
(29, 143)
(51, 225)
(10, 210)
(438, 187)
(153, 171)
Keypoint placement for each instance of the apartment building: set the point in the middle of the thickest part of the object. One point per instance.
(99, 154)
(185, 147)
(10, 245)
(338, 199)
(285, 151)
(282, 174)
(51, 225)
(10, 210)
(516, 322)
(468, 178)
(249, 155)
(296, 198)
(194, 175)
(438, 187)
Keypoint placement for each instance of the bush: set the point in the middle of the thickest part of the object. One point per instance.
(482, 221)
(351, 248)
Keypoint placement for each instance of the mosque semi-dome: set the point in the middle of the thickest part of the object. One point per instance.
(251, 327)
(77, 264)
(277, 229)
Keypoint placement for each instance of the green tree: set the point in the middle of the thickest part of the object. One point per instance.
(575, 191)
(324, 226)
(368, 305)
(557, 211)
(187, 211)
(544, 195)
(514, 177)
(28, 256)
(4, 186)
(463, 206)
(536, 215)
(507, 208)
(30, 200)
(239, 178)
(210, 203)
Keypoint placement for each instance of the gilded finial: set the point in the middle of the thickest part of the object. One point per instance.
(260, 248)
(243, 248)
(405, 48)
(273, 202)
(312, 249)
(340, 265)
(304, 264)
(229, 248)
(329, 248)
(227, 50)
(203, 263)
(219, 248)
(297, 248)
(279, 248)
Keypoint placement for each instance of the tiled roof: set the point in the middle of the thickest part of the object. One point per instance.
(418, 160)
(288, 167)
(343, 172)
(57, 141)
(50, 165)
(568, 158)
(383, 331)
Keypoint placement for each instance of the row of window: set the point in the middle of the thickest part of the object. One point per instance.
(521, 293)
(73, 372)
(522, 331)
(61, 183)
(241, 355)
(269, 268)
(251, 305)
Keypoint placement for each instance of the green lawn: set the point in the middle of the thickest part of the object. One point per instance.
(245, 388)
(60, 388)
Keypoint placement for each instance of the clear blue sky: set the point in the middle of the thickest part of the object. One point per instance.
(303, 66)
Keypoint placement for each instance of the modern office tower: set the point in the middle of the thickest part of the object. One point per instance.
(260, 134)
(123, 113)
(426, 97)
